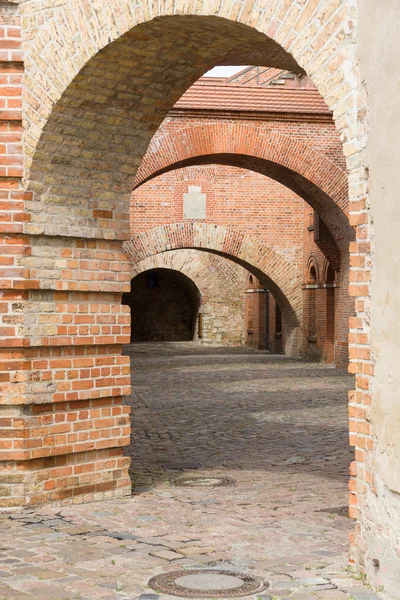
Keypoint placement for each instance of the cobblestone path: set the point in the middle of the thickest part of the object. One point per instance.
(240, 463)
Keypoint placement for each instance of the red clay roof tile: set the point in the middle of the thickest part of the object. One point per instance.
(258, 99)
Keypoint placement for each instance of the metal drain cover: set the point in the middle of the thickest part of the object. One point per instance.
(207, 583)
(189, 481)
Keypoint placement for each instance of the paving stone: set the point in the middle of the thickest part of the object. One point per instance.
(22, 553)
(167, 554)
(38, 572)
(184, 466)
(53, 592)
(312, 581)
(331, 595)
(153, 541)
(121, 536)
(188, 562)
(359, 594)
(80, 530)
(194, 550)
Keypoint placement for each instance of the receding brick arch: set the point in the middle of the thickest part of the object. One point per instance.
(187, 262)
(286, 159)
(278, 274)
(164, 305)
(221, 284)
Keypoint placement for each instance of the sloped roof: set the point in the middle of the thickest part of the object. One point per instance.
(217, 96)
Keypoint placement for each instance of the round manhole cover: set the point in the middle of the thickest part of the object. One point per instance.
(187, 481)
(207, 583)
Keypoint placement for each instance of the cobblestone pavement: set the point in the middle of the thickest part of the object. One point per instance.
(274, 430)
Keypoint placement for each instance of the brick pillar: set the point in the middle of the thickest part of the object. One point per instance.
(255, 315)
(250, 315)
(62, 422)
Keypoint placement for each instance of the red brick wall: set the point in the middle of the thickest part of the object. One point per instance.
(236, 198)
(265, 210)
(332, 301)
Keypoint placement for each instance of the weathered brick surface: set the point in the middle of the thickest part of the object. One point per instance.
(283, 151)
(61, 321)
(73, 167)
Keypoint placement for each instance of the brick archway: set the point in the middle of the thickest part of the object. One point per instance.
(221, 284)
(87, 128)
(309, 173)
(64, 108)
(186, 263)
(279, 36)
(281, 277)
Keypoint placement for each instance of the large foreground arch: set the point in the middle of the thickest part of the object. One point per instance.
(278, 36)
(87, 126)
(83, 146)
(278, 274)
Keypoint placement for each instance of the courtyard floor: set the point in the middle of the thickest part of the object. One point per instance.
(240, 463)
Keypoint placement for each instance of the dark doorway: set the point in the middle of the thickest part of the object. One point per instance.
(164, 306)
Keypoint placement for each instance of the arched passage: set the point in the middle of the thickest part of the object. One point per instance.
(308, 173)
(87, 128)
(135, 96)
(278, 274)
(330, 301)
(221, 284)
(164, 305)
